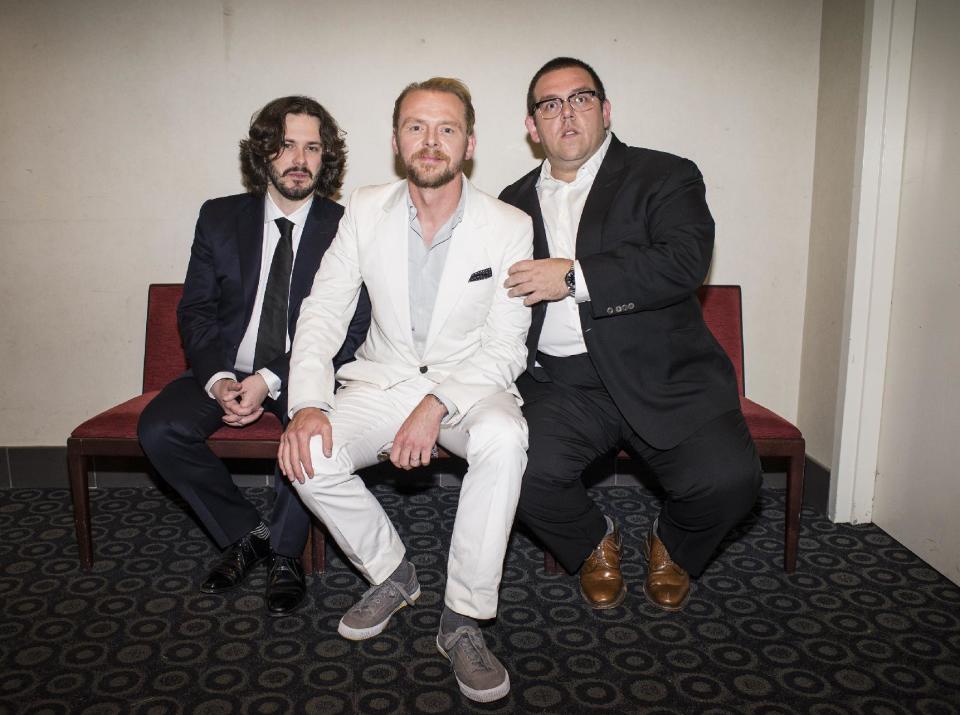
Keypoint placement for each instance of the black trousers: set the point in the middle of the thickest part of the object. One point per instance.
(711, 478)
(173, 430)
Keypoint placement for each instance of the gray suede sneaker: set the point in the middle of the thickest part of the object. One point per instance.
(479, 674)
(371, 614)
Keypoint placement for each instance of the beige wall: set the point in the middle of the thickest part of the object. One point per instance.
(841, 48)
(118, 118)
(917, 490)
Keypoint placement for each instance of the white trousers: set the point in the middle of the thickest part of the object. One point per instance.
(492, 437)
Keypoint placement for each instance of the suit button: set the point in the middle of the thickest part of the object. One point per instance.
(630, 306)
(423, 369)
(609, 311)
(619, 308)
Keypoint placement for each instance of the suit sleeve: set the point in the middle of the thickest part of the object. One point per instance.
(503, 352)
(325, 320)
(356, 334)
(197, 313)
(664, 258)
(357, 330)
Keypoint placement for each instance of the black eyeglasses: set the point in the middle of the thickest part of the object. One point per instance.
(582, 101)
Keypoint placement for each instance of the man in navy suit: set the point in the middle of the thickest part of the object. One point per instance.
(618, 352)
(253, 259)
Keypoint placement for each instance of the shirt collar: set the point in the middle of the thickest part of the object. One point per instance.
(457, 215)
(587, 171)
(272, 212)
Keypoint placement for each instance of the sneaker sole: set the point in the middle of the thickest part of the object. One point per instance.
(360, 634)
(479, 696)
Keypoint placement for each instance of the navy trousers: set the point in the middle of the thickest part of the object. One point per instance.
(173, 430)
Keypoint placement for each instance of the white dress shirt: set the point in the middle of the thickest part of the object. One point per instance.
(561, 204)
(271, 237)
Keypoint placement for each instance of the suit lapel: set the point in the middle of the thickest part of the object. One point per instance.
(529, 202)
(250, 247)
(318, 231)
(601, 195)
(463, 258)
(392, 234)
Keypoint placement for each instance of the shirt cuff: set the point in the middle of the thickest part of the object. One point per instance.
(273, 382)
(304, 405)
(213, 380)
(583, 293)
(451, 408)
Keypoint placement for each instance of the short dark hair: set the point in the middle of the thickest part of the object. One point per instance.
(265, 142)
(560, 63)
(439, 84)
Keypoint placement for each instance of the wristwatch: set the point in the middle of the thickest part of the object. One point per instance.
(571, 280)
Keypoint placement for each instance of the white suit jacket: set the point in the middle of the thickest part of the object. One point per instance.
(476, 341)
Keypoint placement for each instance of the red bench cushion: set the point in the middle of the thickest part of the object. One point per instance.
(766, 424)
(120, 422)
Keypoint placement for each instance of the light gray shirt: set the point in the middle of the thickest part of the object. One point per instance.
(425, 269)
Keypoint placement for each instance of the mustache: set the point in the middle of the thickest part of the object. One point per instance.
(299, 170)
(431, 154)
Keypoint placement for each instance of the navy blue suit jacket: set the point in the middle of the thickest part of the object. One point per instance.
(222, 276)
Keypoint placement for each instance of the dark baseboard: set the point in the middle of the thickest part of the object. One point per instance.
(46, 467)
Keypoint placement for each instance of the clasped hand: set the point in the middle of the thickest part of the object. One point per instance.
(241, 402)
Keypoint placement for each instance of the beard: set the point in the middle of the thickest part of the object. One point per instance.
(424, 180)
(293, 193)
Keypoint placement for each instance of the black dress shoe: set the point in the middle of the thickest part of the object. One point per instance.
(286, 587)
(236, 563)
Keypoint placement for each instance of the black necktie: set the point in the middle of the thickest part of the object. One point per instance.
(272, 335)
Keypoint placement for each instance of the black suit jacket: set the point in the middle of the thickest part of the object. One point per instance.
(221, 284)
(644, 244)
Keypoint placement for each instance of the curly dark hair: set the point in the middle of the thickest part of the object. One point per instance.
(266, 141)
(562, 63)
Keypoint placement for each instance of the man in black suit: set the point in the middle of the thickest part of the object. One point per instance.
(618, 352)
(253, 260)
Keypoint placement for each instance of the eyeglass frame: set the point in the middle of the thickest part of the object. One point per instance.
(589, 92)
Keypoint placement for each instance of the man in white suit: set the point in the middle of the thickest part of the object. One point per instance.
(445, 345)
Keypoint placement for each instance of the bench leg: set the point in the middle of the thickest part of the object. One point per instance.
(77, 467)
(795, 473)
(315, 552)
(306, 559)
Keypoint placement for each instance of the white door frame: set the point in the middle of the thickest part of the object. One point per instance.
(888, 50)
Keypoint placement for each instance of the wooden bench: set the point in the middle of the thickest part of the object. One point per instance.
(114, 432)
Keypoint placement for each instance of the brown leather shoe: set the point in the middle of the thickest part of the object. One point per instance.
(667, 586)
(601, 583)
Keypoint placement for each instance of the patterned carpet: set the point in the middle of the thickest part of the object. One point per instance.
(862, 627)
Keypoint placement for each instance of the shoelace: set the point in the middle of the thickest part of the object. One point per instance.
(281, 564)
(376, 596)
(598, 554)
(474, 649)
